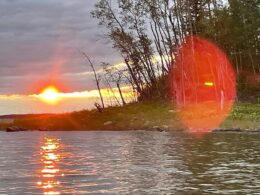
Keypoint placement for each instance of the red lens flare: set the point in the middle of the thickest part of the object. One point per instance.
(203, 84)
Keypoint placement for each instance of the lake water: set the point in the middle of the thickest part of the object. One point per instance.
(129, 162)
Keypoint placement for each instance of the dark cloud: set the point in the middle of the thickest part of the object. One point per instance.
(39, 38)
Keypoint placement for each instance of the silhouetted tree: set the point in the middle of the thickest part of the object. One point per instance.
(141, 30)
(96, 78)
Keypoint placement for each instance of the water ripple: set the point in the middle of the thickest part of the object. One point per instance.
(131, 162)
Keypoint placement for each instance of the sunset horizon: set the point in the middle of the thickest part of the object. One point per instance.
(32, 60)
(62, 102)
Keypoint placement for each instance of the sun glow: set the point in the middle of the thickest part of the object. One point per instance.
(50, 95)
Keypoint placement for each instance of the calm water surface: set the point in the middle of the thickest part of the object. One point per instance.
(130, 162)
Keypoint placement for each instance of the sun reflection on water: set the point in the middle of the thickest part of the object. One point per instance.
(49, 174)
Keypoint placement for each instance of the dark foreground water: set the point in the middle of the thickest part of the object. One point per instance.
(130, 162)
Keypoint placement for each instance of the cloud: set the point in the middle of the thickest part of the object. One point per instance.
(66, 102)
(40, 40)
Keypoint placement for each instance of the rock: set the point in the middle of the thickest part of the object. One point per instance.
(160, 129)
(15, 129)
(236, 129)
(108, 123)
(12, 129)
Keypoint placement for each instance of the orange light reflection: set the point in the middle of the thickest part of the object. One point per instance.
(51, 193)
(50, 171)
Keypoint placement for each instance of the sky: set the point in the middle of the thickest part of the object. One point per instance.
(39, 46)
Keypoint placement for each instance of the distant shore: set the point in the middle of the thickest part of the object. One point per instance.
(153, 116)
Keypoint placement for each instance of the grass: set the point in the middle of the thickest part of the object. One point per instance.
(131, 116)
(135, 116)
(244, 116)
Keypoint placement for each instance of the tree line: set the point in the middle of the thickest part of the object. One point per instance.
(147, 34)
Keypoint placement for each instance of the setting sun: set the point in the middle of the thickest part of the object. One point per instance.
(50, 95)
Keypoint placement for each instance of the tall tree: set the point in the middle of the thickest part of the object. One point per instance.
(142, 30)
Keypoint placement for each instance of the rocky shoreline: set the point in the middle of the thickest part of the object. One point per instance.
(215, 130)
(158, 129)
(18, 129)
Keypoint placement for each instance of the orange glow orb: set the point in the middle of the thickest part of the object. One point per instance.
(203, 84)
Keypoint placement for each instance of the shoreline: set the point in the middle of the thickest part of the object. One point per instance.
(144, 130)
(149, 116)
